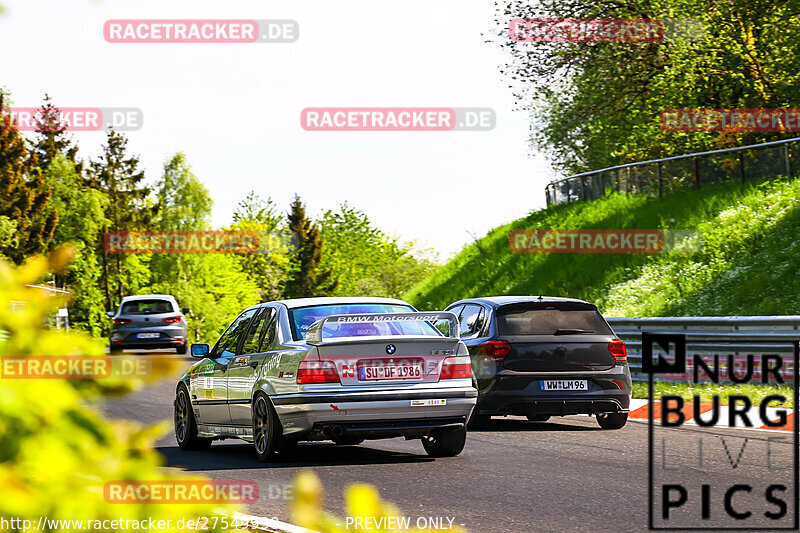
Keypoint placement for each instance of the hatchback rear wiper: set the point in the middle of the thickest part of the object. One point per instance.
(568, 331)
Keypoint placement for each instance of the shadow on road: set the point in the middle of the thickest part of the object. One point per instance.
(242, 456)
(499, 424)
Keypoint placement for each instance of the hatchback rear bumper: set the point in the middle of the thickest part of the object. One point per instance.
(520, 394)
(146, 344)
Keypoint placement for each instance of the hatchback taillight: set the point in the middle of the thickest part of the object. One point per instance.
(317, 372)
(617, 349)
(172, 319)
(497, 350)
(121, 321)
(453, 370)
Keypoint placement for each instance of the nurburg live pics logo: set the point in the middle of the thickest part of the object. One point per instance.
(724, 479)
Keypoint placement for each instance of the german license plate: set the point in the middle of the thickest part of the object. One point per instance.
(564, 384)
(375, 370)
(147, 335)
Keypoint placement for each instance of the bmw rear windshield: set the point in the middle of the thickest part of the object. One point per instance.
(302, 318)
(569, 318)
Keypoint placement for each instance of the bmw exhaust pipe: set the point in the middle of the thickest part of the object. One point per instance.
(327, 431)
(338, 431)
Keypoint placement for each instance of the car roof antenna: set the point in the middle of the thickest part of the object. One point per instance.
(540, 296)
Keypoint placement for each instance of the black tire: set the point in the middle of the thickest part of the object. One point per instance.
(266, 432)
(612, 420)
(445, 443)
(538, 418)
(114, 349)
(181, 349)
(347, 441)
(185, 425)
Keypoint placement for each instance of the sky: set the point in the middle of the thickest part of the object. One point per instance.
(234, 109)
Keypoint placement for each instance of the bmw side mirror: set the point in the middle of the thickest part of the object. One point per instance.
(186, 311)
(200, 350)
(110, 314)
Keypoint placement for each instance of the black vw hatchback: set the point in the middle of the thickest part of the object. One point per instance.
(541, 356)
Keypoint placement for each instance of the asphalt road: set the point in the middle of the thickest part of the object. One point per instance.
(563, 475)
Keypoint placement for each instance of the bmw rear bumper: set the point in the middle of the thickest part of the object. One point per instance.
(374, 415)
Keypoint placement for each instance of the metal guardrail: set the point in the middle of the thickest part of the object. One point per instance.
(659, 176)
(737, 335)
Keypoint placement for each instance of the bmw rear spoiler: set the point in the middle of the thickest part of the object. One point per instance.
(314, 332)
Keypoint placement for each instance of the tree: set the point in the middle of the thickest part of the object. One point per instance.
(83, 217)
(52, 137)
(213, 286)
(24, 196)
(118, 177)
(256, 209)
(308, 279)
(597, 104)
(270, 266)
(366, 261)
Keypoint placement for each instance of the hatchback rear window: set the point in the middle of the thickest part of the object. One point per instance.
(551, 319)
(146, 307)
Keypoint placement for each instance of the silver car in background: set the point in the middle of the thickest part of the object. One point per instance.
(149, 321)
(340, 369)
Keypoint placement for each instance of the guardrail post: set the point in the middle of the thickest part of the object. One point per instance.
(696, 172)
(658, 175)
(583, 188)
(741, 167)
(788, 161)
(628, 182)
(569, 192)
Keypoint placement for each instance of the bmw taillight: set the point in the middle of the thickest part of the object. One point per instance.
(317, 372)
(172, 319)
(121, 321)
(617, 349)
(454, 370)
(497, 350)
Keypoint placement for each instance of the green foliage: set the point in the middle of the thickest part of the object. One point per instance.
(117, 176)
(24, 196)
(748, 264)
(51, 136)
(56, 451)
(598, 104)
(82, 218)
(272, 265)
(213, 286)
(308, 278)
(365, 261)
(51, 198)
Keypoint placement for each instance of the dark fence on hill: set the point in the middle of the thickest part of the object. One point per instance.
(661, 176)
